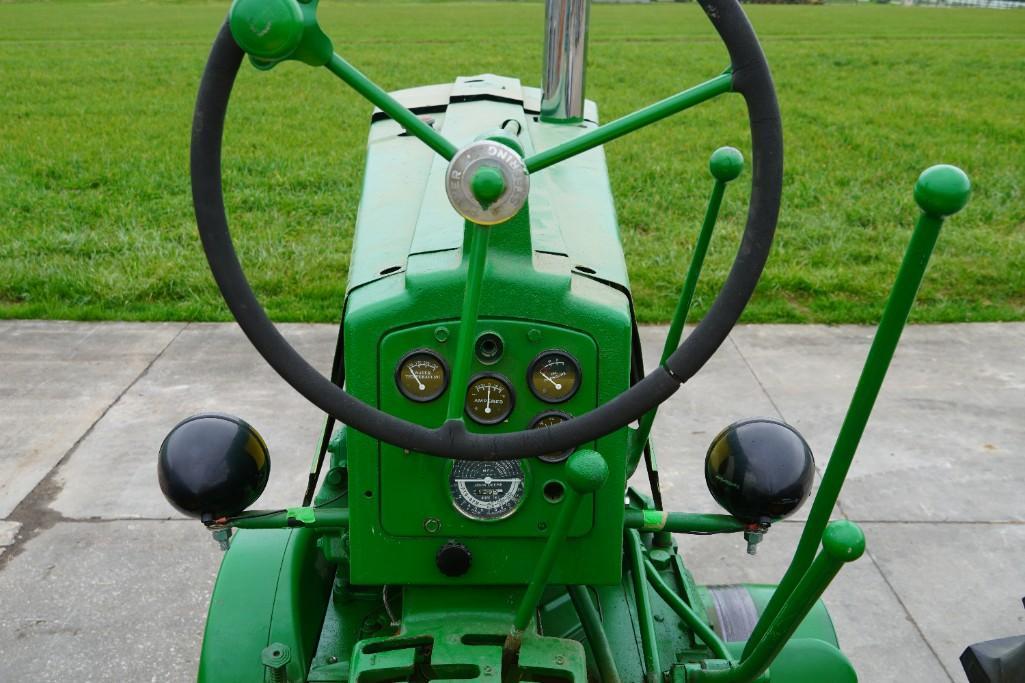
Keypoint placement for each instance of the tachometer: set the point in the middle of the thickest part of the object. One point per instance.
(487, 490)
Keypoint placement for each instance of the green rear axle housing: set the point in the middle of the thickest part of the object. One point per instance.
(468, 515)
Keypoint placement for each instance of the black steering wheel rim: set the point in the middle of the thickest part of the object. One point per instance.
(751, 78)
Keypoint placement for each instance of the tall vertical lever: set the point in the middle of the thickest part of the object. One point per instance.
(725, 165)
(586, 472)
(941, 191)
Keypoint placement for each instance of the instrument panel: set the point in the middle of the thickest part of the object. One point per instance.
(523, 376)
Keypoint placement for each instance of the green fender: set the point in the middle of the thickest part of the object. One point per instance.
(273, 587)
(812, 656)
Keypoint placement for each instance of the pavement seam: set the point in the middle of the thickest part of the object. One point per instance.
(33, 512)
(758, 380)
(910, 617)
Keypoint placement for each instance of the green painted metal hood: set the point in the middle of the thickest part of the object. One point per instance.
(404, 211)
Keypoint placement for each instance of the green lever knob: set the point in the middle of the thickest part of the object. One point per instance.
(586, 471)
(726, 164)
(487, 185)
(942, 190)
(843, 541)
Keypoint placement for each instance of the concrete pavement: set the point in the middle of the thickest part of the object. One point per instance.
(101, 580)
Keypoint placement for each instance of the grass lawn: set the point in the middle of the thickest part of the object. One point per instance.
(95, 210)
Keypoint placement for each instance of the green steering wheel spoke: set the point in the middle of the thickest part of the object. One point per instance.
(390, 106)
(686, 99)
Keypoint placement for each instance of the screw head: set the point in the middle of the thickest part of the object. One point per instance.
(726, 163)
(276, 655)
(942, 190)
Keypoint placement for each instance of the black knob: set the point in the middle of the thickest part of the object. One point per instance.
(453, 559)
(213, 465)
(761, 470)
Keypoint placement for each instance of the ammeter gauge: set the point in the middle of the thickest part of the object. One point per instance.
(421, 376)
(554, 376)
(489, 399)
(487, 490)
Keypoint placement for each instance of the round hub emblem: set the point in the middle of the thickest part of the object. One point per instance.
(462, 170)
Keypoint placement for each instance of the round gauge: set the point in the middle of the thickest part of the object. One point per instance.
(487, 490)
(421, 376)
(489, 399)
(547, 420)
(554, 376)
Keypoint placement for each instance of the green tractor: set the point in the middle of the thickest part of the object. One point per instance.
(468, 516)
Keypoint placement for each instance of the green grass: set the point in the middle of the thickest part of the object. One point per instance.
(96, 99)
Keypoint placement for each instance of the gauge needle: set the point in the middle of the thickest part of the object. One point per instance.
(487, 405)
(554, 383)
(420, 385)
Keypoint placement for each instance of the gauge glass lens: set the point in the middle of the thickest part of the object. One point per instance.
(547, 420)
(487, 490)
(421, 376)
(554, 376)
(489, 399)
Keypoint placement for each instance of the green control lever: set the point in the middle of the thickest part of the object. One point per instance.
(842, 542)
(725, 165)
(941, 191)
(586, 472)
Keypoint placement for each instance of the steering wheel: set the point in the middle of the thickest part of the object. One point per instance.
(288, 30)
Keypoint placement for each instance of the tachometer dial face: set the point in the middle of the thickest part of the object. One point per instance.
(554, 376)
(548, 419)
(489, 399)
(421, 376)
(487, 490)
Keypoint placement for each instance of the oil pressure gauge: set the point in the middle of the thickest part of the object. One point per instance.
(554, 376)
(487, 490)
(552, 417)
(421, 376)
(489, 399)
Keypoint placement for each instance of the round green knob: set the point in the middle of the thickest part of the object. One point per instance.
(487, 185)
(726, 163)
(586, 471)
(844, 540)
(942, 190)
(266, 29)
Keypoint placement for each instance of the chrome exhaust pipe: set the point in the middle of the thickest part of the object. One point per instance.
(562, 86)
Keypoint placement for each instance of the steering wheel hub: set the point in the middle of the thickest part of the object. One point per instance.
(487, 182)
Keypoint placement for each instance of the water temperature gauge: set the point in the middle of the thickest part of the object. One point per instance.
(489, 399)
(421, 376)
(554, 376)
